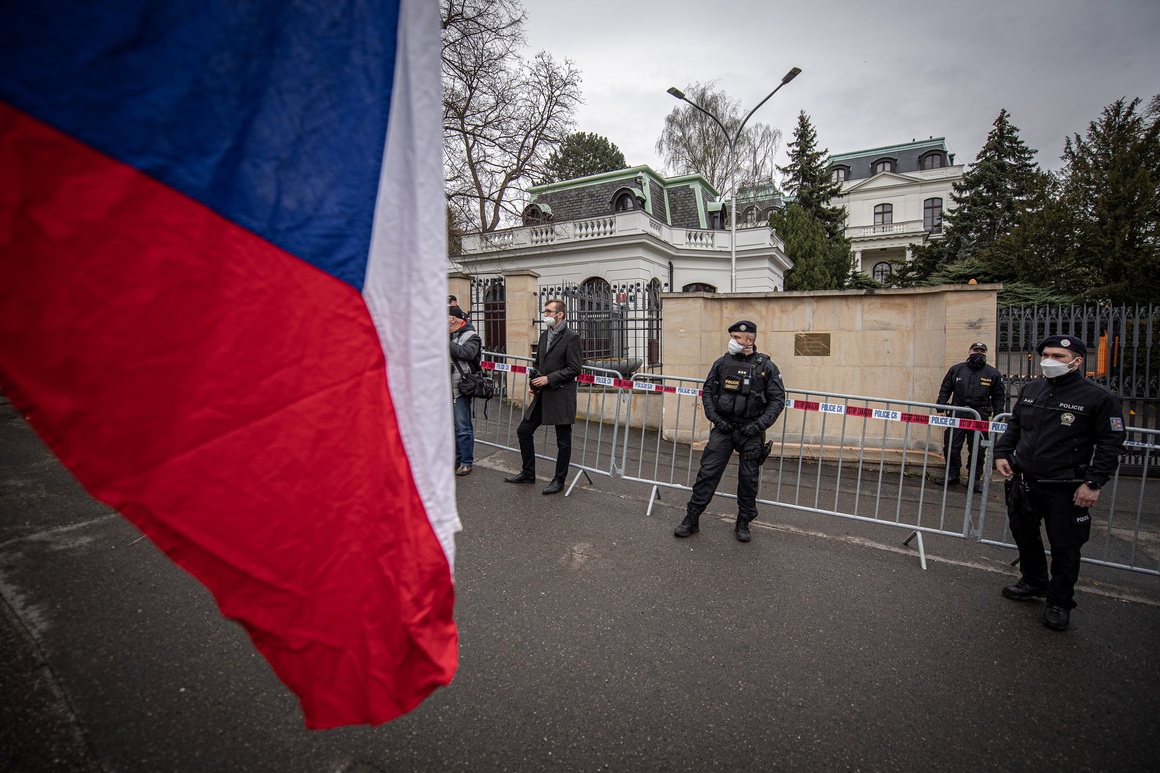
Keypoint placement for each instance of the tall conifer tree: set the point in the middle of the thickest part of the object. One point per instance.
(809, 180)
(991, 196)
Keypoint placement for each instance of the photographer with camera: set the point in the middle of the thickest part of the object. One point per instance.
(465, 354)
(552, 382)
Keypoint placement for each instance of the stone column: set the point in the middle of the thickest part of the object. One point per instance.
(522, 310)
(858, 262)
(459, 285)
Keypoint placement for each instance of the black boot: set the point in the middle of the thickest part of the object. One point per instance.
(691, 525)
(742, 529)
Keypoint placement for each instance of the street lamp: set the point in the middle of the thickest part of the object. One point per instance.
(732, 141)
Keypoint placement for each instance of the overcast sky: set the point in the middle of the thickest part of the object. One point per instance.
(873, 73)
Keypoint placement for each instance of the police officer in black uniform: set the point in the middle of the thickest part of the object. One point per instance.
(742, 396)
(971, 384)
(1063, 443)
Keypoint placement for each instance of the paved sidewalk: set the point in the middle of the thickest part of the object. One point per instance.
(590, 639)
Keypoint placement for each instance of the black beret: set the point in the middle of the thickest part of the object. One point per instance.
(1064, 342)
(744, 326)
(455, 311)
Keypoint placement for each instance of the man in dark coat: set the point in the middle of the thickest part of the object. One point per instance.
(742, 396)
(558, 363)
(1063, 443)
(971, 384)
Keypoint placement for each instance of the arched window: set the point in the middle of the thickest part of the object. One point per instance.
(932, 216)
(840, 173)
(750, 218)
(883, 165)
(882, 272)
(932, 160)
(884, 214)
(534, 214)
(698, 287)
(596, 287)
(625, 202)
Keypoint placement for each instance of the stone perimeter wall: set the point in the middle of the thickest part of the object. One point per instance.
(893, 344)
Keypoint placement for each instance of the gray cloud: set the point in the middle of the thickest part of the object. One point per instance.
(873, 73)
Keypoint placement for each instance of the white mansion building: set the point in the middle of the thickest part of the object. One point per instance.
(894, 198)
(636, 228)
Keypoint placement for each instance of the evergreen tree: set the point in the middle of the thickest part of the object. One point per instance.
(988, 200)
(809, 180)
(809, 247)
(1040, 251)
(1112, 188)
(582, 154)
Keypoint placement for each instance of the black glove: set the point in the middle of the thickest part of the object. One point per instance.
(725, 425)
(753, 429)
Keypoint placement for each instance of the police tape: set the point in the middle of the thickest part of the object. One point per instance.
(839, 409)
(589, 378)
(884, 414)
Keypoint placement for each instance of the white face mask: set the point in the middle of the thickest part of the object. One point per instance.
(550, 320)
(1055, 368)
(735, 347)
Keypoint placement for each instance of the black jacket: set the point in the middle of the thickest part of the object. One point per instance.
(772, 389)
(1056, 425)
(561, 363)
(981, 389)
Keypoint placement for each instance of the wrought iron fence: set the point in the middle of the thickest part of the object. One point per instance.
(489, 311)
(1119, 340)
(619, 324)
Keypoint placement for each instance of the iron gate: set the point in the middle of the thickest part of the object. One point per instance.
(619, 324)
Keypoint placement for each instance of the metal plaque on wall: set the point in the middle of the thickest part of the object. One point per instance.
(811, 345)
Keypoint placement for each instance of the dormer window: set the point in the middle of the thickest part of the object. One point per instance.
(535, 214)
(840, 173)
(934, 159)
(625, 202)
(883, 165)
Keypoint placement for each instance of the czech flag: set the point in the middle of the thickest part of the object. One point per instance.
(222, 251)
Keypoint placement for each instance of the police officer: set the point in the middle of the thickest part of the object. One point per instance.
(742, 396)
(971, 384)
(1063, 441)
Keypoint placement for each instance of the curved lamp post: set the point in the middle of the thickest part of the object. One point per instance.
(732, 142)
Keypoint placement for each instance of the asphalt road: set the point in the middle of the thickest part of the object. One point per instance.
(590, 639)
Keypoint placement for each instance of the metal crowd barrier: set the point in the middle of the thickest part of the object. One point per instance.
(599, 405)
(829, 451)
(863, 458)
(1125, 531)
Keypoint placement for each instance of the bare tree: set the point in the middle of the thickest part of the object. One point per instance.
(502, 114)
(692, 142)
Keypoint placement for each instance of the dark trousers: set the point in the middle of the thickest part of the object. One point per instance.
(527, 435)
(715, 458)
(953, 442)
(1053, 504)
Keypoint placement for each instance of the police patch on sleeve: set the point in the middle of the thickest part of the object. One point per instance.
(1117, 424)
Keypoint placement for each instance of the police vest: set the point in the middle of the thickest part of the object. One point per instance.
(742, 387)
